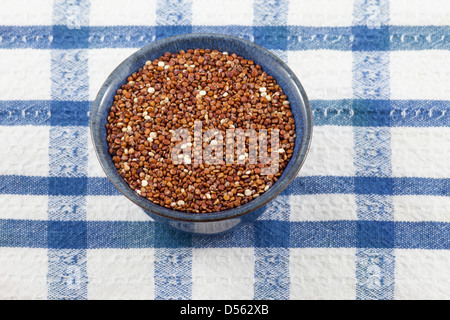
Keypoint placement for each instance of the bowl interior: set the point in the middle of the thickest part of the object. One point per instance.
(269, 62)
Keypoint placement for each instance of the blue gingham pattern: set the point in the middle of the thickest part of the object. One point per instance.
(368, 217)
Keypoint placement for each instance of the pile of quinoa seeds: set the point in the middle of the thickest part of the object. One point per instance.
(223, 91)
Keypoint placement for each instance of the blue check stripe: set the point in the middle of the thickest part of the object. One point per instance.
(371, 80)
(381, 113)
(397, 38)
(343, 112)
(271, 262)
(427, 235)
(173, 254)
(299, 186)
(66, 229)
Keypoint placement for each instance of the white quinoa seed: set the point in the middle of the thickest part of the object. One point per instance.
(153, 135)
(161, 64)
(151, 90)
(248, 192)
(202, 92)
(144, 183)
(281, 150)
(262, 89)
(180, 203)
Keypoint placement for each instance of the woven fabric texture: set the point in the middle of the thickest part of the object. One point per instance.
(368, 217)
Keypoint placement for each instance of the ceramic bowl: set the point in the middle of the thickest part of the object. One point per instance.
(205, 223)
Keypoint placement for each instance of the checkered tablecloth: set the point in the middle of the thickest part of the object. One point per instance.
(367, 218)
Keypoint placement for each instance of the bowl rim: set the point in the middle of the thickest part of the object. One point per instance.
(266, 197)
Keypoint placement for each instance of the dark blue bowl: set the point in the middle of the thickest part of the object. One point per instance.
(205, 223)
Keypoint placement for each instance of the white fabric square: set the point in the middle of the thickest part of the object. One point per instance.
(325, 74)
(113, 208)
(219, 12)
(331, 152)
(416, 12)
(322, 273)
(222, 273)
(420, 152)
(421, 208)
(23, 207)
(323, 207)
(23, 274)
(94, 167)
(26, 12)
(420, 75)
(101, 63)
(123, 12)
(321, 13)
(121, 274)
(24, 151)
(422, 274)
(25, 74)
